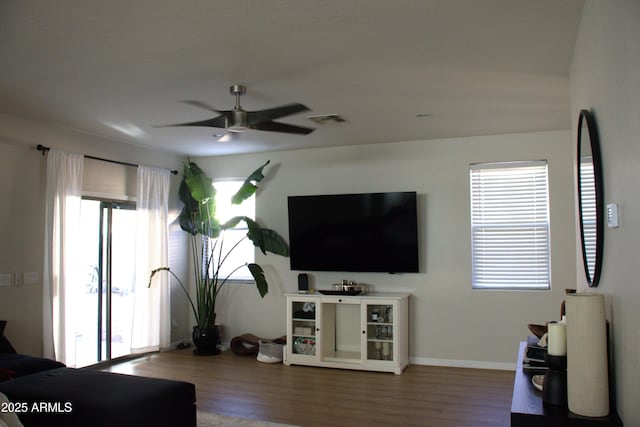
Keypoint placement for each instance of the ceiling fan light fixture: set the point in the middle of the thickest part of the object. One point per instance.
(238, 128)
(238, 120)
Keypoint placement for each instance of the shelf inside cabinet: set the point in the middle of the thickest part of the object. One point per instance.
(342, 356)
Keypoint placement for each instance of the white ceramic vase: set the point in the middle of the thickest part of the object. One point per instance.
(587, 368)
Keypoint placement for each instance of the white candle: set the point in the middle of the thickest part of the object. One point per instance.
(557, 338)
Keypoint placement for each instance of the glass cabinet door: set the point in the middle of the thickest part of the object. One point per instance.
(380, 332)
(303, 327)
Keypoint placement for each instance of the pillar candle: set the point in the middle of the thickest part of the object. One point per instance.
(386, 350)
(557, 339)
(587, 369)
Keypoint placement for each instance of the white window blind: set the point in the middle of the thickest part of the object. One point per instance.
(510, 225)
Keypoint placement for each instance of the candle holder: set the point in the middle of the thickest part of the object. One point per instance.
(554, 389)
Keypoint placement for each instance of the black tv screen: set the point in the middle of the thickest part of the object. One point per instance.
(373, 232)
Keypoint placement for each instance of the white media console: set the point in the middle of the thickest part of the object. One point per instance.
(366, 332)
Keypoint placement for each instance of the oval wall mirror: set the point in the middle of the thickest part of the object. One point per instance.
(590, 197)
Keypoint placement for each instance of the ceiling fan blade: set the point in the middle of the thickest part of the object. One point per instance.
(282, 127)
(255, 117)
(216, 122)
(204, 105)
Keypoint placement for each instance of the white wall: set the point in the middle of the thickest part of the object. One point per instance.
(22, 188)
(450, 323)
(605, 78)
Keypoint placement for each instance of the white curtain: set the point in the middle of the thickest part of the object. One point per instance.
(151, 315)
(60, 277)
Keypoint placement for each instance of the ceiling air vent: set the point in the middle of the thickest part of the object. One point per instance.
(326, 119)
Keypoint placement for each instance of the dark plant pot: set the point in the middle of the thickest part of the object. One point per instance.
(205, 341)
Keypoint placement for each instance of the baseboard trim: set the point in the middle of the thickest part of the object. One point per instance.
(474, 364)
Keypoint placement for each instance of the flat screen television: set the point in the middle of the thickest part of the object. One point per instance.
(373, 232)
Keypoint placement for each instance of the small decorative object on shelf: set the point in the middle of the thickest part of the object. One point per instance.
(386, 350)
(306, 346)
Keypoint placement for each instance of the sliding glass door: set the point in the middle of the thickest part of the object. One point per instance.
(105, 304)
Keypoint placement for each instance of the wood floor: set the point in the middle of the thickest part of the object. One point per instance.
(306, 396)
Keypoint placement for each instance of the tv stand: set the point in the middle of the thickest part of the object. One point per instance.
(364, 332)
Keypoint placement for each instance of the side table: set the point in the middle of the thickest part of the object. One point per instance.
(527, 409)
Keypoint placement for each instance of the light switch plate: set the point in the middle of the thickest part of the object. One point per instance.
(613, 219)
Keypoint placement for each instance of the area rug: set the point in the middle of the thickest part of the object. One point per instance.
(208, 419)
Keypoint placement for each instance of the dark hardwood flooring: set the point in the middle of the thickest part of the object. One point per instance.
(307, 396)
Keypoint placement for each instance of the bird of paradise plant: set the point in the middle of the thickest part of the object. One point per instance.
(209, 253)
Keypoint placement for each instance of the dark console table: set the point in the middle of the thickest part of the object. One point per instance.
(527, 409)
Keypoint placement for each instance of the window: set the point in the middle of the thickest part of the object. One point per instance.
(245, 251)
(510, 225)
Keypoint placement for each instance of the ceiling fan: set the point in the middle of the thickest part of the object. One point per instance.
(239, 120)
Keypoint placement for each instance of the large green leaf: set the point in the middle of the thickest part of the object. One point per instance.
(198, 195)
(185, 196)
(208, 223)
(254, 233)
(274, 243)
(186, 221)
(201, 187)
(249, 186)
(266, 239)
(258, 276)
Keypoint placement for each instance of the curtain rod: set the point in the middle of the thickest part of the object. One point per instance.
(44, 149)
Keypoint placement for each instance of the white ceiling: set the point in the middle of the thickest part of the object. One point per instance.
(116, 68)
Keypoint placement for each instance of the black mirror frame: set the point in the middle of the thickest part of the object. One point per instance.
(585, 115)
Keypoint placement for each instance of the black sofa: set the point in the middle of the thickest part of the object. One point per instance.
(45, 393)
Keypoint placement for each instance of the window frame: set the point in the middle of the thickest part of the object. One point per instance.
(537, 225)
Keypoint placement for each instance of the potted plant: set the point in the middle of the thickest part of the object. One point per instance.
(198, 218)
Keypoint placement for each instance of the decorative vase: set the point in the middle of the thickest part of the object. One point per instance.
(206, 341)
(587, 366)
